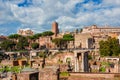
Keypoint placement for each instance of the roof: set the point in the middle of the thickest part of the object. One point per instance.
(3, 37)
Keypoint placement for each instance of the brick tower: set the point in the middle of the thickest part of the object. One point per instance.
(55, 29)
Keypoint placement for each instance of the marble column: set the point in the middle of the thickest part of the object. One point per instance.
(77, 65)
(82, 63)
(76, 62)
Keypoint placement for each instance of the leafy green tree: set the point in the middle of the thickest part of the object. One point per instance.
(63, 42)
(7, 45)
(35, 45)
(14, 36)
(47, 33)
(31, 37)
(58, 42)
(67, 38)
(36, 36)
(104, 48)
(110, 47)
(22, 43)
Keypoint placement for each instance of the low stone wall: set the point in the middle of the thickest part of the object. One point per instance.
(93, 76)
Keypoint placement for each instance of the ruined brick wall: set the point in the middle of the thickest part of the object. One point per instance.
(48, 74)
(81, 40)
(22, 76)
(28, 76)
(92, 76)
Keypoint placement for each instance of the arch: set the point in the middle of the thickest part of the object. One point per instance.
(68, 60)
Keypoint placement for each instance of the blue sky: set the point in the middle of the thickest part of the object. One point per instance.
(38, 15)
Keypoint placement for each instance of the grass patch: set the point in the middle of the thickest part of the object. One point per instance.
(64, 74)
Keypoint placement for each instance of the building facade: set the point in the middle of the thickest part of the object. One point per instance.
(106, 29)
(25, 32)
(83, 40)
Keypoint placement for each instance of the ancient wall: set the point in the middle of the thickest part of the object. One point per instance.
(83, 40)
(48, 74)
(93, 76)
(28, 76)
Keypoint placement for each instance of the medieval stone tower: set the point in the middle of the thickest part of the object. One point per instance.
(55, 29)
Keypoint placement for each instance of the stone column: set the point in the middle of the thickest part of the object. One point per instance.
(76, 62)
(82, 63)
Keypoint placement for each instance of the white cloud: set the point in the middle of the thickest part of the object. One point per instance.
(41, 13)
(28, 15)
(111, 2)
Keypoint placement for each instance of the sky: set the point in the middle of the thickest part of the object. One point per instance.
(38, 15)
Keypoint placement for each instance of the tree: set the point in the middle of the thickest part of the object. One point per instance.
(35, 36)
(58, 42)
(14, 36)
(31, 37)
(23, 42)
(7, 45)
(67, 38)
(47, 33)
(110, 47)
(35, 45)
